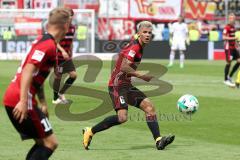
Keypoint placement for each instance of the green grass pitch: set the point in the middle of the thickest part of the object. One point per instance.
(210, 134)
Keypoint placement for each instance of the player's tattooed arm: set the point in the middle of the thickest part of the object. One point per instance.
(42, 100)
(125, 67)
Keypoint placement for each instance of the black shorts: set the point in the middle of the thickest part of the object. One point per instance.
(124, 95)
(231, 54)
(65, 66)
(36, 126)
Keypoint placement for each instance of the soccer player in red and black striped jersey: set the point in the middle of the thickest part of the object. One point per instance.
(123, 93)
(65, 65)
(231, 50)
(30, 121)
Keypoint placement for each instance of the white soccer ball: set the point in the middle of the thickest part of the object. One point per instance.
(187, 104)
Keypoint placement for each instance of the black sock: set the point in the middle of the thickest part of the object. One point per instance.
(67, 84)
(41, 153)
(105, 124)
(55, 95)
(234, 69)
(56, 85)
(30, 152)
(153, 126)
(226, 71)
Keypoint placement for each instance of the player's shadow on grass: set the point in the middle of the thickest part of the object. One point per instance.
(152, 147)
(142, 147)
(129, 148)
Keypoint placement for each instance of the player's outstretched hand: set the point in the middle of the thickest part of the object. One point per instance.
(20, 111)
(147, 78)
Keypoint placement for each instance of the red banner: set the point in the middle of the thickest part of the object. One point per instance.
(120, 29)
(27, 26)
(199, 10)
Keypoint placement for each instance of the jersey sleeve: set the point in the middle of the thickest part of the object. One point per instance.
(131, 53)
(41, 54)
(225, 30)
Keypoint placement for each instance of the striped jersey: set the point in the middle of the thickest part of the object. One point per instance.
(66, 43)
(229, 30)
(133, 51)
(42, 54)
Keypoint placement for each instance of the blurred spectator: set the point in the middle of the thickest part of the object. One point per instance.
(237, 34)
(220, 7)
(7, 34)
(232, 5)
(214, 35)
(165, 32)
(193, 31)
(194, 35)
(82, 32)
(193, 26)
(237, 10)
(203, 29)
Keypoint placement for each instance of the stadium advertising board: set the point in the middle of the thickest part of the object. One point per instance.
(117, 19)
(157, 9)
(16, 49)
(161, 10)
(113, 9)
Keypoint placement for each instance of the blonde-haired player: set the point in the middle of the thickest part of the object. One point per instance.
(21, 106)
(65, 64)
(123, 93)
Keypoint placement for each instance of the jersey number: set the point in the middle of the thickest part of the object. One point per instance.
(122, 100)
(46, 124)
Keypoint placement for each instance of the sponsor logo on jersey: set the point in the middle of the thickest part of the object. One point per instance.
(38, 55)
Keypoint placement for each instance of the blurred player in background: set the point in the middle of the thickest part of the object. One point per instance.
(231, 50)
(123, 93)
(65, 65)
(30, 121)
(178, 40)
